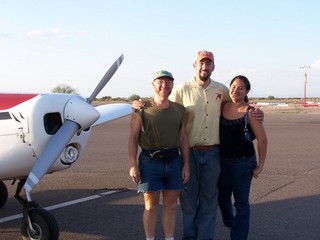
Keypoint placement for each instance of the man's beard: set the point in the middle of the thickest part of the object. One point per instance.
(204, 77)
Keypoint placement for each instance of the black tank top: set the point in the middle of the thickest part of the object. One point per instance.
(231, 139)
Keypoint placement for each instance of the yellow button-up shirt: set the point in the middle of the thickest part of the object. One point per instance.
(203, 109)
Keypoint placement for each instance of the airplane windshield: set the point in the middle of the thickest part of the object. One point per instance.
(4, 115)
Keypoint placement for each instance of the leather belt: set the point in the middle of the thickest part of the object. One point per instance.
(204, 147)
(162, 154)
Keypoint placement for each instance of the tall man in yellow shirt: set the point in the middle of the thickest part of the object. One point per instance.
(202, 98)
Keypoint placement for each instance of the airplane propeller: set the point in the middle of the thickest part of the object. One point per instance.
(78, 114)
(106, 78)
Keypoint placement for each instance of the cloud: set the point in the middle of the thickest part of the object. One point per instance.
(84, 33)
(52, 33)
(5, 35)
(316, 65)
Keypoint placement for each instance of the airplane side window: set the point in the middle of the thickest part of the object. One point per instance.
(5, 116)
(52, 122)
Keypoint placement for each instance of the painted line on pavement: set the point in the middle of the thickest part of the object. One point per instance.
(61, 205)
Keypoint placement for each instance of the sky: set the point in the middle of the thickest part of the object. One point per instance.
(47, 43)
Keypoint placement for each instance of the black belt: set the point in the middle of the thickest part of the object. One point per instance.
(162, 154)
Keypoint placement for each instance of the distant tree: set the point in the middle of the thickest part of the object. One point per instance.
(133, 97)
(271, 97)
(119, 99)
(63, 88)
(105, 98)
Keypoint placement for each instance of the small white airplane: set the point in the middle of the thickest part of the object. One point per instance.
(45, 133)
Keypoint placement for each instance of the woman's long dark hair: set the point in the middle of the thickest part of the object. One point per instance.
(246, 82)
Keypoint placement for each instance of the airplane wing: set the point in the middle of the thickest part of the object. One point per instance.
(112, 111)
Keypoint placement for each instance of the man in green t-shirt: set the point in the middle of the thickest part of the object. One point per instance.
(159, 130)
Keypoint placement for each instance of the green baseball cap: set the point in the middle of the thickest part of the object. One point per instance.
(163, 73)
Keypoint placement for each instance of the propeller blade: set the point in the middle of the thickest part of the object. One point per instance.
(106, 78)
(112, 111)
(52, 151)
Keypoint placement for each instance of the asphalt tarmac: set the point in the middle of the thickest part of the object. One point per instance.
(285, 200)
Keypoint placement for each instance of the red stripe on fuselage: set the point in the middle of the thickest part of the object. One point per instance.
(9, 100)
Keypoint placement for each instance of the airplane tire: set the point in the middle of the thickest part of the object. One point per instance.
(43, 223)
(3, 194)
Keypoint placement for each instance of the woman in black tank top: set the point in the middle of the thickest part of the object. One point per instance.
(238, 158)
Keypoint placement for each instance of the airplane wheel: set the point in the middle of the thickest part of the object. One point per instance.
(3, 194)
(44, 224)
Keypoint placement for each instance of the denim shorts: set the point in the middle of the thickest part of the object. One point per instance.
(158, 175)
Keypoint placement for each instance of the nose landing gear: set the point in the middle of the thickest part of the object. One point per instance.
(44, 226)
(37, 223)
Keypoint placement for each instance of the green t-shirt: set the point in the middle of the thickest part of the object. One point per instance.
(161, 127)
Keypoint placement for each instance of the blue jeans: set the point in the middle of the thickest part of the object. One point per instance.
(235, 178)
(199, 199)
(157, 175)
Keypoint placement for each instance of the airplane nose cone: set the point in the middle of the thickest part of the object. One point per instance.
(81, 112)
